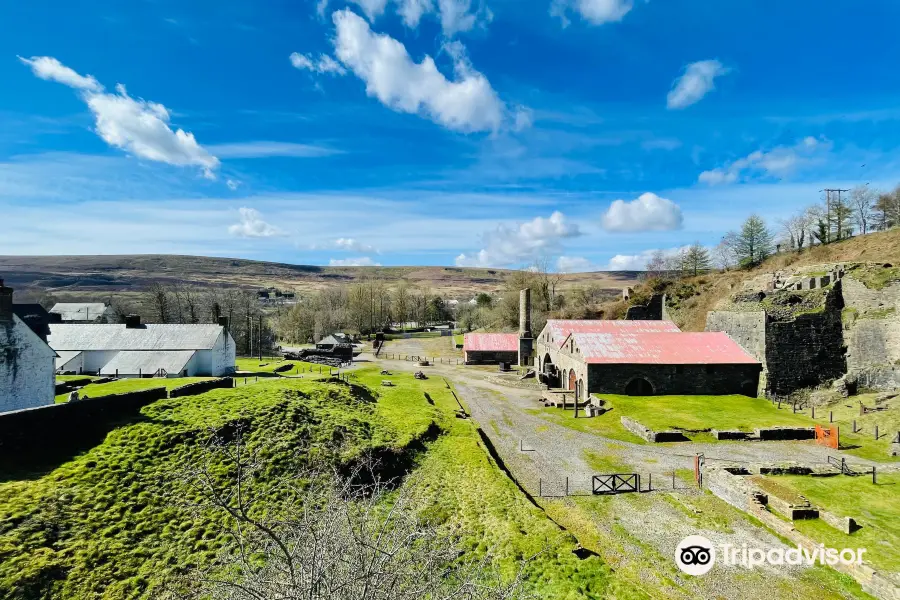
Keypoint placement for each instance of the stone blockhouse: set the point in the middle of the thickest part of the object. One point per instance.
(654, 310)
(855, 332)
(136, 350)
(491, 348)
(642, 358)
(27, 379)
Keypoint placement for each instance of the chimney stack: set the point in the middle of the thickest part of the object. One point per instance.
(223, 322)
(6, 300)
(132, 321)
(525, 313)
(526, 341)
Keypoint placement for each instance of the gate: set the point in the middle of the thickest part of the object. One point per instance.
(617, 483)
(829, 436)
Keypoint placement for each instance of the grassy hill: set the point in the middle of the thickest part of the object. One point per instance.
(100, 276)
(115, 523)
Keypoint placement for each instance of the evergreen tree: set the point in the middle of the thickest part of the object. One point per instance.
(753, 243)
(696, 260)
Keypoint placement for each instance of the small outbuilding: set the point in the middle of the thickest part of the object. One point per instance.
(491, 348)
(82, 312)
(135, 350)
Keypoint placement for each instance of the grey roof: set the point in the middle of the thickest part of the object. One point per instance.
(337, 338)
(131, 362)
(65, 356)
(79, 311)
(70, 336)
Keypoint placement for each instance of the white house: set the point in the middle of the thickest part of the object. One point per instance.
(135, 350)
(82, 312)
(26, 362)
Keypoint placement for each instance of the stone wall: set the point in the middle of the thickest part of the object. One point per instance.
(654, 310)
(872, 334)
(801, 352)
(712, 380)
(192, 389)
(49, 432)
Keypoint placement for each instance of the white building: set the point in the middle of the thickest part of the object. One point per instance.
(26, 361)
(82, 312)
(136, 350)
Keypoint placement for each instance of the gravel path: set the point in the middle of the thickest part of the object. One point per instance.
(637, 533)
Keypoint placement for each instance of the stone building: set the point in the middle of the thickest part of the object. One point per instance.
(135, 350)
(26, 361)
(491, 348)
(642, 358)
(82, 312)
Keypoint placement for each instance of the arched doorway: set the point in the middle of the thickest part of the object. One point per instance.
(639, 387)
(571, 385)
(579, 390)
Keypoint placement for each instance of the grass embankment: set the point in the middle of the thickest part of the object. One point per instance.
(111, 523)
(876, 507)
(268, 366)
(122, 386)
(65, 378)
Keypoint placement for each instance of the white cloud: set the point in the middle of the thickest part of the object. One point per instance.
(648, 212)
(321, 65)
(372, 8)
(134, 125)
(412, 11)
(638, 262)
(352, 245)
(232, 184)
(47, 67)
(778, 162)
(455, 16)
(251, 225)
(467, 104)
(574, 264)
(265, 149)
(524, 243)
(697, 81)
(596, 12)
(363, 261)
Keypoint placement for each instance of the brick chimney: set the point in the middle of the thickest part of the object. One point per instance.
(132, 321)
(6, 300)
(223, 322)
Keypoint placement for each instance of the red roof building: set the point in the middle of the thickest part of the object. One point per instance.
(491, 348)
(683, 348)
(556, 331)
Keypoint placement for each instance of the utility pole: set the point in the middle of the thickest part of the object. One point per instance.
(259, 338)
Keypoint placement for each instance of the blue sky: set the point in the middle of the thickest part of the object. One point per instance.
(434, 132)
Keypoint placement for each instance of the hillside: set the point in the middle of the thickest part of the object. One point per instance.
(87, 276)
(692, 298)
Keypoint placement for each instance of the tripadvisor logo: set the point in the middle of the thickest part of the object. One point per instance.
(696, 555)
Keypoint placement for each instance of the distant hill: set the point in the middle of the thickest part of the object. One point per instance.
(94, 276)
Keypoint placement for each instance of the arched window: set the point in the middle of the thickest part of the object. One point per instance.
(571, 380)
(639, 387)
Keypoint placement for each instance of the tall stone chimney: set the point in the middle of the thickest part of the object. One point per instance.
(526, 341)
(132, 321)
(6, 297)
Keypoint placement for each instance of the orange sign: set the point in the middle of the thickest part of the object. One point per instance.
(829, 436)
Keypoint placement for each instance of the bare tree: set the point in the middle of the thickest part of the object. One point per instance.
(862, 203)
(723, 255)
(338, 538)
(158, 298)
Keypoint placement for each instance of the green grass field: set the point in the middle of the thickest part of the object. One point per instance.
(112, 523)
(689, 413)
(874, 506)
(694, 414)
(64, 378)
(122, 386)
